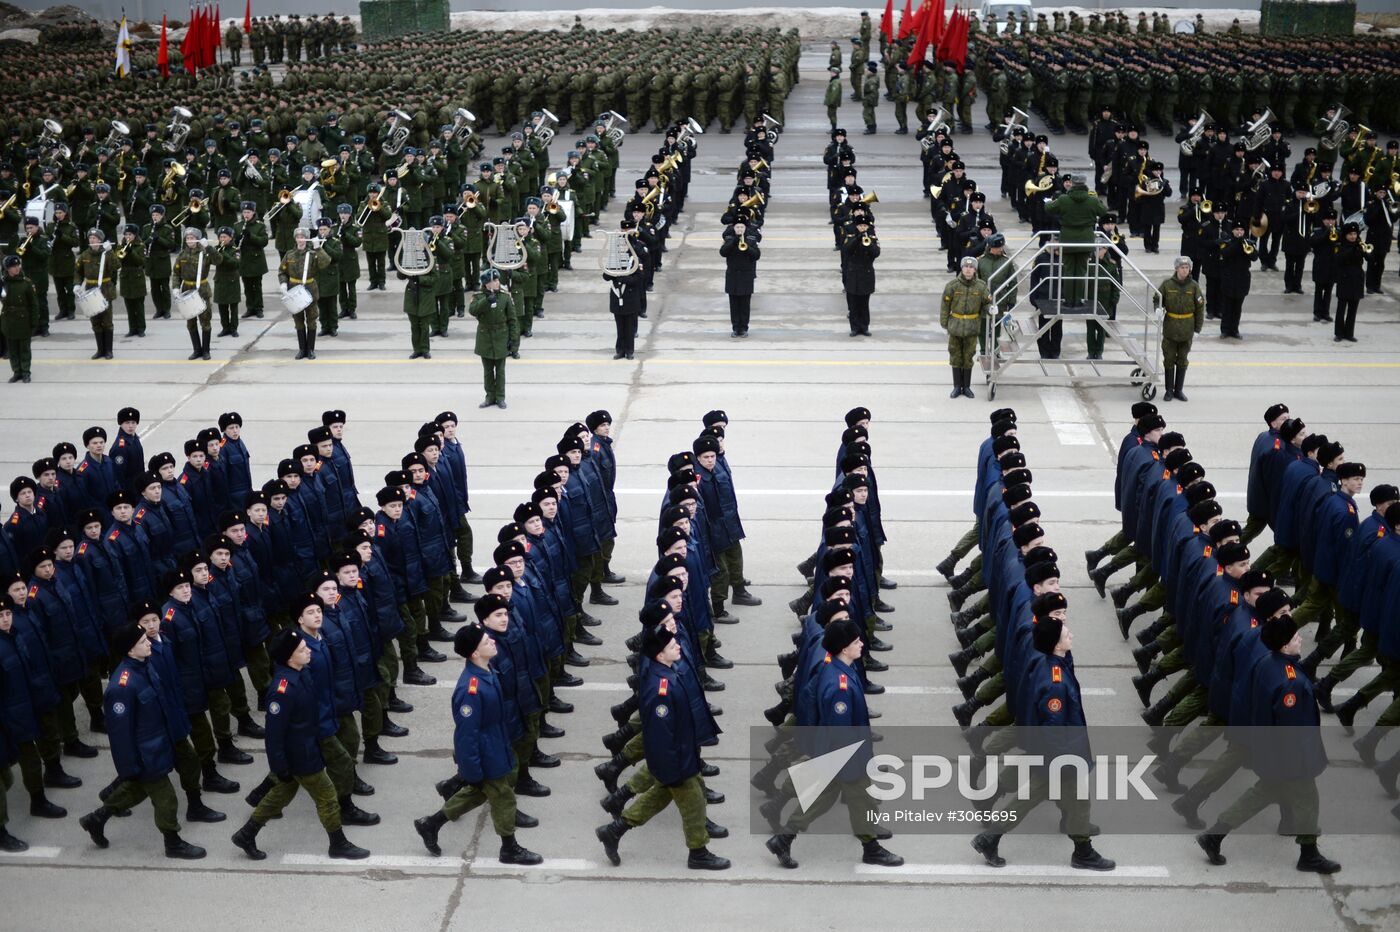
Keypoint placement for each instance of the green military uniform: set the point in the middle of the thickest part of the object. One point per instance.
(19, 310)
(498, 327)
(999, 274)
(869, 100)
(457, 295)
(36, 269)
(1184, 308)
(284, 225)
(349, 237)
(833, 96)
(131, 285)
(63, 239)
(420, 304)
(251, 237)
(526, 285)
(300, 267)
(471, 220)
(191, 271)
(98, 269)
(967, 96)
(328, 284)
(1078, 212)
(226, 287)
(442, 283)
(903, 89)
(964, 306)
(160, 242)
(1109, 276)
(374, 237)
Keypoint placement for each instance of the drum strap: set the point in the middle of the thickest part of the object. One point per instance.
(306, 265)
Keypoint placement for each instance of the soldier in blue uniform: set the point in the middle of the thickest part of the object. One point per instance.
(234, 455)
(28, 696)
(96, 474)
(294, 717)
(1287, 764)
(481, 749)
(833, 698)
(128, 459)
(1050, 707)
(143, 721)
(669, 736)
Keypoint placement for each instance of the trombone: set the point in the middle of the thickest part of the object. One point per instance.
(371, 206)
(193, 207)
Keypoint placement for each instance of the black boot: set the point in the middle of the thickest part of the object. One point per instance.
(301, 354)
(1120, 596)
(397, 705)
(1085, 858)
(513, 853)
(1180, 378)
(986, 845)
(101, 345)
(93, 823)
(196, 811)
(374, 754)
(947, 566)
(1126, 616)
(351, 814)
(341, 847)
(1346, 712)
(176, 847)
(41, 808)
(957, 384)
(961, 659)
(1143, 684)
(610, 835)
(744, 597)
(256, 795)
(204, 345)
(426, 652)
(311, 354)
(703, 859)
(1366, 745)
(875, 853)
(248, 728)
(392, 729)
(1169, 383)
(610, 770)
(230, 754)
(967, 384)
(596, 596)
(414, 676)
(76, 748)
(56, 778)
(1186, 807)
(247, 838)
(781, 846)
(964, 712)
(1144, 654)
(614, 803)
(450, 787)
(10, 844)
(1156, 714)
(526, 785)
(968, 684)
(1210, 844)
(1310, 859)
(428, 828)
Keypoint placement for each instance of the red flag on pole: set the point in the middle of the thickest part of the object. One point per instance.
(163, 56)
(957, 47)
(944, 46)
(929, 19)
(248, 17)
(906, 22)
(937, 27)
(215, 37)
(887, 21)
(187, 44)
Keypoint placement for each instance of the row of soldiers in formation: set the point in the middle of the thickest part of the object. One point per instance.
(853, 225)
(743, 224)
(403, 90)
(214, 568)
(275, 40)
(1227, 623)
(1068, 76)
(1303, 488)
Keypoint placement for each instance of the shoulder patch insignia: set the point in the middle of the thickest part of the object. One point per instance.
(826, 659)
(82, 548)
(1054, 705)
(140, 514)
(379, 530)
(1289, 672)
(14, 518)
(1234, 597)
(841, 708)
(126, 675)
(664, 687)
(465, 710)
(1220, 571)
(1290, 700)
(184, 478)
(1254, 622)
(1166, 474)
(119, 708)
(273, 708)
(843, 685)
(169, 613)
(281, 687)
(34, 592)
(82, 467)
(1207, 552)
(1156, 455)
(662, 711)
(114, 535)
(471, 687)
(1178, 488)
(1278, 443)
(1055, 675)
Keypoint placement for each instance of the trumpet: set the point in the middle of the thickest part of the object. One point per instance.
(866, 240)
(552, 207)
(1249, 246)
(1206, 205)
(744, 245)
(24, 246)
(1366, 248)
(871, 198)
(751, 202)
(470, 199)
(4, 208)
(121, 252)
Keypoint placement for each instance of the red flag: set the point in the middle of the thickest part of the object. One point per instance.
(189, 43)
(248, 17)
(954, 47)
(930, 21)
(906, 22)
(916, 25)
(215, 38)
(163, 56)
(944, 45)
(887, 21)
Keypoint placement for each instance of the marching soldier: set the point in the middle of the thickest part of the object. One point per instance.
(420, 304)
(226, 281)
(328, 277)
(33, 249)
(63, 239)
(374, 233)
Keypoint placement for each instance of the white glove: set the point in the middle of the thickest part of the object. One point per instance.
(282, 288)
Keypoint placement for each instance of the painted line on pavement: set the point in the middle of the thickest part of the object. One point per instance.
(469, 360)
(35, 851)
(884, 493)
(1134, 872)
(375, 860)
(1068, 417)
(954, 691)
(583, 688)
(549, 864)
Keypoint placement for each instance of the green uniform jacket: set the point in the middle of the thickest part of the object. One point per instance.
(833, 92)
(470, 221)
(36, 262)
(420, 295)
(159, 243)
(64, 240)
(131, 271)
(999, 273)
(226, 274)
(1185, 308)
(251, 239)
(1079, 212)
(496, 327)
(328, 276)
(186, 267)
(294, 266)
(89, 264)
(374, 234)
(19, 312)
(964, 305)
(349, 236)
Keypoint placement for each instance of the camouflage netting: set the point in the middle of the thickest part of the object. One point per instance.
(386, 19)
(1301, 18)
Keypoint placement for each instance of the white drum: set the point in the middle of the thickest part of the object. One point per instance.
(310, 204)
(90, 302)
(296, 299)
(41, 207)
(189, 304)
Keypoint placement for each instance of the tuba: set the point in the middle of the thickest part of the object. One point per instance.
(178, 130)
(462, 125)
(504, 252)
(619, 258)
(115, 134)
(1196, 131)
(1336, 129)
(689, 129)
(50, 140)
(1257, 133)
(1019, 119)
(615, 125)
(1261, 171)
(415, 256)
(772, 126)
(396, 130)
(328, 170)
(548, 126)
(251, 172)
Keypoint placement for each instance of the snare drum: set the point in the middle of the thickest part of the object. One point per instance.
(297, 299)
(189, 304)
(90, 302)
